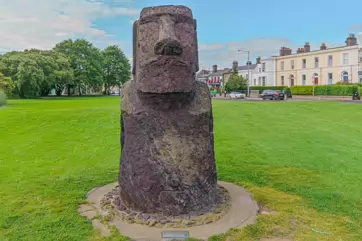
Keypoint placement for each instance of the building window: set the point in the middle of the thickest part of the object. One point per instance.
(330, 61)
(263, 67)
(345, 76)
(254, 82)
(360, 59)
(282, 80)
(282, 65)
(316, 62)
(292, 64)
(259, 69)
(259, 81)
(304, 79)
(360, 80)
(330, 78)
(247, 76)
(345, 59)
(304, 63)
(264, 81)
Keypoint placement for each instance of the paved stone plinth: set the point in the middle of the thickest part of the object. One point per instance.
(243, 211)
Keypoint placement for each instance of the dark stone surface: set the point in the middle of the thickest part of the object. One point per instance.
(167, 163)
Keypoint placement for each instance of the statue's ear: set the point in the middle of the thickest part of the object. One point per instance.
(196, 48)
(135, 42)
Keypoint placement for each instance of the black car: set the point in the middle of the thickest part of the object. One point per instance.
(272, 95)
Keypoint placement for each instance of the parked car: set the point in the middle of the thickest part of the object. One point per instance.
(272, 95)
(237, 95)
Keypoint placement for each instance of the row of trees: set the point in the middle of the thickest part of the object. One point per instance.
(70, 64)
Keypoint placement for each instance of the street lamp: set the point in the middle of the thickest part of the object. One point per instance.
(247, 51)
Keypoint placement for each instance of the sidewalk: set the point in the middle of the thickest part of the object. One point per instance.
(324, 98)
(298, 98)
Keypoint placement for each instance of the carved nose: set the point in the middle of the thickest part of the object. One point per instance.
(167, 43)
(168, 47)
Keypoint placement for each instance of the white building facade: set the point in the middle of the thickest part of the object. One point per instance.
(245, 70)
(265, 72)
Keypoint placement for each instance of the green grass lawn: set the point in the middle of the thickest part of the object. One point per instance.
(302, 160)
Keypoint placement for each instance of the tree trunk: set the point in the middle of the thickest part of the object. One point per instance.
(80, 92)
(105, 89)
(68, 90)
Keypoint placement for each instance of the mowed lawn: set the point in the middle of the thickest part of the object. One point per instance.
(302, 162)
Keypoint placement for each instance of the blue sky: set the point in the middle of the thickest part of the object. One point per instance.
(223, 26)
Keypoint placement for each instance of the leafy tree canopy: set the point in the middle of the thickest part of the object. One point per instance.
(236, 83)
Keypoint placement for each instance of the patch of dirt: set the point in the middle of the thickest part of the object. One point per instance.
(276, 239)
(266, 211)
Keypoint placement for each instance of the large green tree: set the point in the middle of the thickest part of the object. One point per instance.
(236, 83)
(116, 68)
(36, 72)
(30, 78)
(86, 62)
(63, 74)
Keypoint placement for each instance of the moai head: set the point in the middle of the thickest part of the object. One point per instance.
(165, 55)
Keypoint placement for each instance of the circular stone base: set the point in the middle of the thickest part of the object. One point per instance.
(113, 204)
(242, 212)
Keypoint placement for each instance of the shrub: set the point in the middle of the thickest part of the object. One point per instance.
(2, 98)
(288, 92)
(335, 90)
(7, 85)
(302, 90)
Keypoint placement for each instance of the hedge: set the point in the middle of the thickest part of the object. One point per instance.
(331, 90)
(302, 90)
(2, 98)
(336, 90)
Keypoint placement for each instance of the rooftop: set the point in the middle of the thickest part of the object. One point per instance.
(319, 50)
(245, 67)
(220, 72)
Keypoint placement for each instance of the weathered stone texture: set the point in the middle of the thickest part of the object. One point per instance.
(167, 163)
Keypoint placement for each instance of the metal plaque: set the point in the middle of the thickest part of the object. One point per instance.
(174, 235)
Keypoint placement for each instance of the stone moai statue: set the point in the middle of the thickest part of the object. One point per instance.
(167, 140)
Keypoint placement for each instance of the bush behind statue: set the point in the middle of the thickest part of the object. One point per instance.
(3, 100)
(326, 90)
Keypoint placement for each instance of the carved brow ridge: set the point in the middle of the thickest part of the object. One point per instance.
(179, 18)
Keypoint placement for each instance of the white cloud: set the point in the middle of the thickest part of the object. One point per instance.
(25, 24)
(355, 28)
(211, 47)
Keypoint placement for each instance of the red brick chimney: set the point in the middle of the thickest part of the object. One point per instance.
(306, 47)
(285, 51)
(323, 46)
(300, 50)
(351, 40)
(258, 60)
(214, 68)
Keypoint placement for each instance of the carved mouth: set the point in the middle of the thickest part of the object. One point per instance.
(167, 61)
